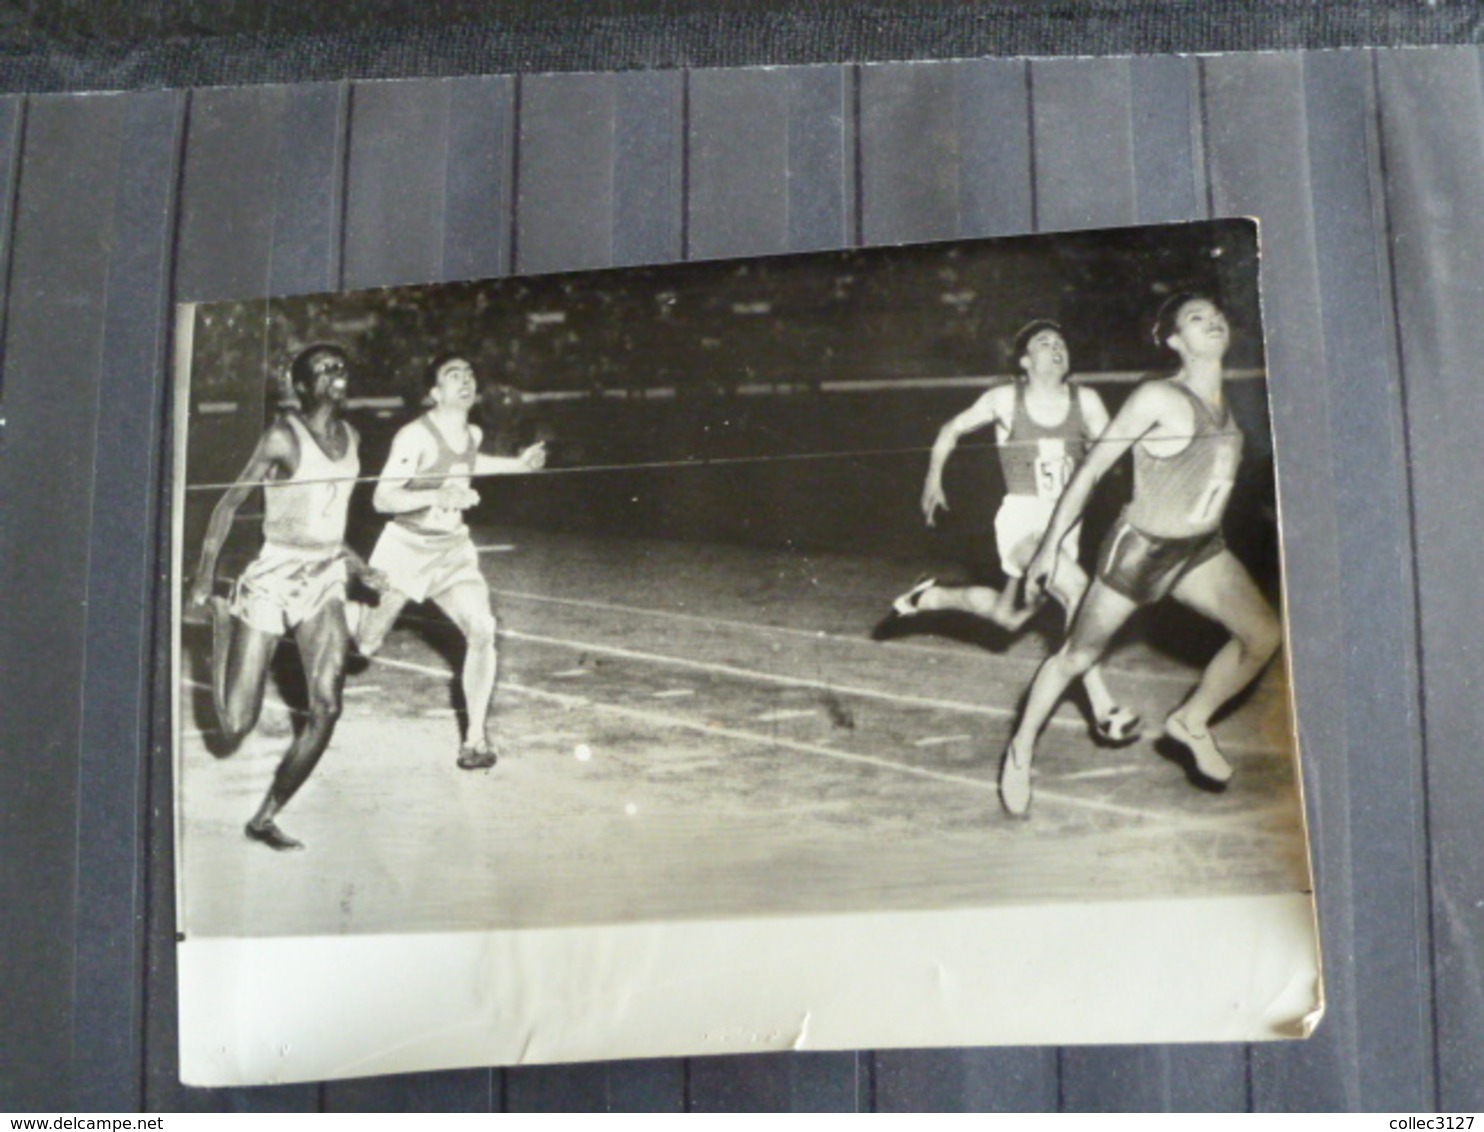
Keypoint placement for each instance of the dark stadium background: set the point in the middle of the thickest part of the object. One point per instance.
(785, 401)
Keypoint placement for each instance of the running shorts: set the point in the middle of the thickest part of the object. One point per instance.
(423, 566)
(1144, 568)
(1023, 519)
(285, 586)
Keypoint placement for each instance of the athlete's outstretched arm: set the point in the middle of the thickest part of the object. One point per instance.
(1139, 414)
(277, 451)
(531, 459)
(982, 412)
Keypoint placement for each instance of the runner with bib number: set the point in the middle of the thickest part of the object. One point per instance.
(1043, 425)
(1168, 541)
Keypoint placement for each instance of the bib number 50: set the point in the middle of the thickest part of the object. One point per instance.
(1053, 468)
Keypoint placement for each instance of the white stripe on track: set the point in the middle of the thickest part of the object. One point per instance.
(772, 678)
(657, 719)
(785, 713)
(987, 710)
(1099, 772)
(822, 635)
(765, 677)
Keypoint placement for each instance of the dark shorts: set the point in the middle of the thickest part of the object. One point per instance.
(1144, 568)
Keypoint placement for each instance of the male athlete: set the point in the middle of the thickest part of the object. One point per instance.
(307, 464)
(1168, 541)
(426, 551)
(1043, 424)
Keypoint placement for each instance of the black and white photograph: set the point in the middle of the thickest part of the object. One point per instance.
(909, 582)
(529, 573)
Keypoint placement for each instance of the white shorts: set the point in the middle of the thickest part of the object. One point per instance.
(1023, 519)
(424, 566)
(285, 586)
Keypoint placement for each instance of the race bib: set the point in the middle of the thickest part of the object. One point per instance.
(1211, 504)
(1053, 467)
(449, 518)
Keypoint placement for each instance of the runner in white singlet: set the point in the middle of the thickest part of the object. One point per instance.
(307, 460)
(425, 549)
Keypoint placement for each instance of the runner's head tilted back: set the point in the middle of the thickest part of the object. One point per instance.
(1041, 350)
(449, 382)
(320, 373)
(1193, 325)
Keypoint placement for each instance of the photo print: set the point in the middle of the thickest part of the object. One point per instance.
(846, 650)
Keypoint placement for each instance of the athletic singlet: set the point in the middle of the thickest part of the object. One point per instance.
(307, 509)
(448, 466)
(1185, 495)
(1039, 459)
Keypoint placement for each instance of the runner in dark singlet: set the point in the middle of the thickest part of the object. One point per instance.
(1186, 451)
(308, 460)
(1043, 424)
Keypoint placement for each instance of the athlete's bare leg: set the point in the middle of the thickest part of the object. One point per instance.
(1113, 724)
(1002, 607)
(323, 640)
(1068, 585)
(1101, 614)
(355, 613)
(468, 607)
(1222, 590)
(240, 656)
(370, 624)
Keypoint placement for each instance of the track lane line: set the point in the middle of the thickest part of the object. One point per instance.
(1100, 772)
(659, 719)
(759, 676)
(985, 710)
(820, 634)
